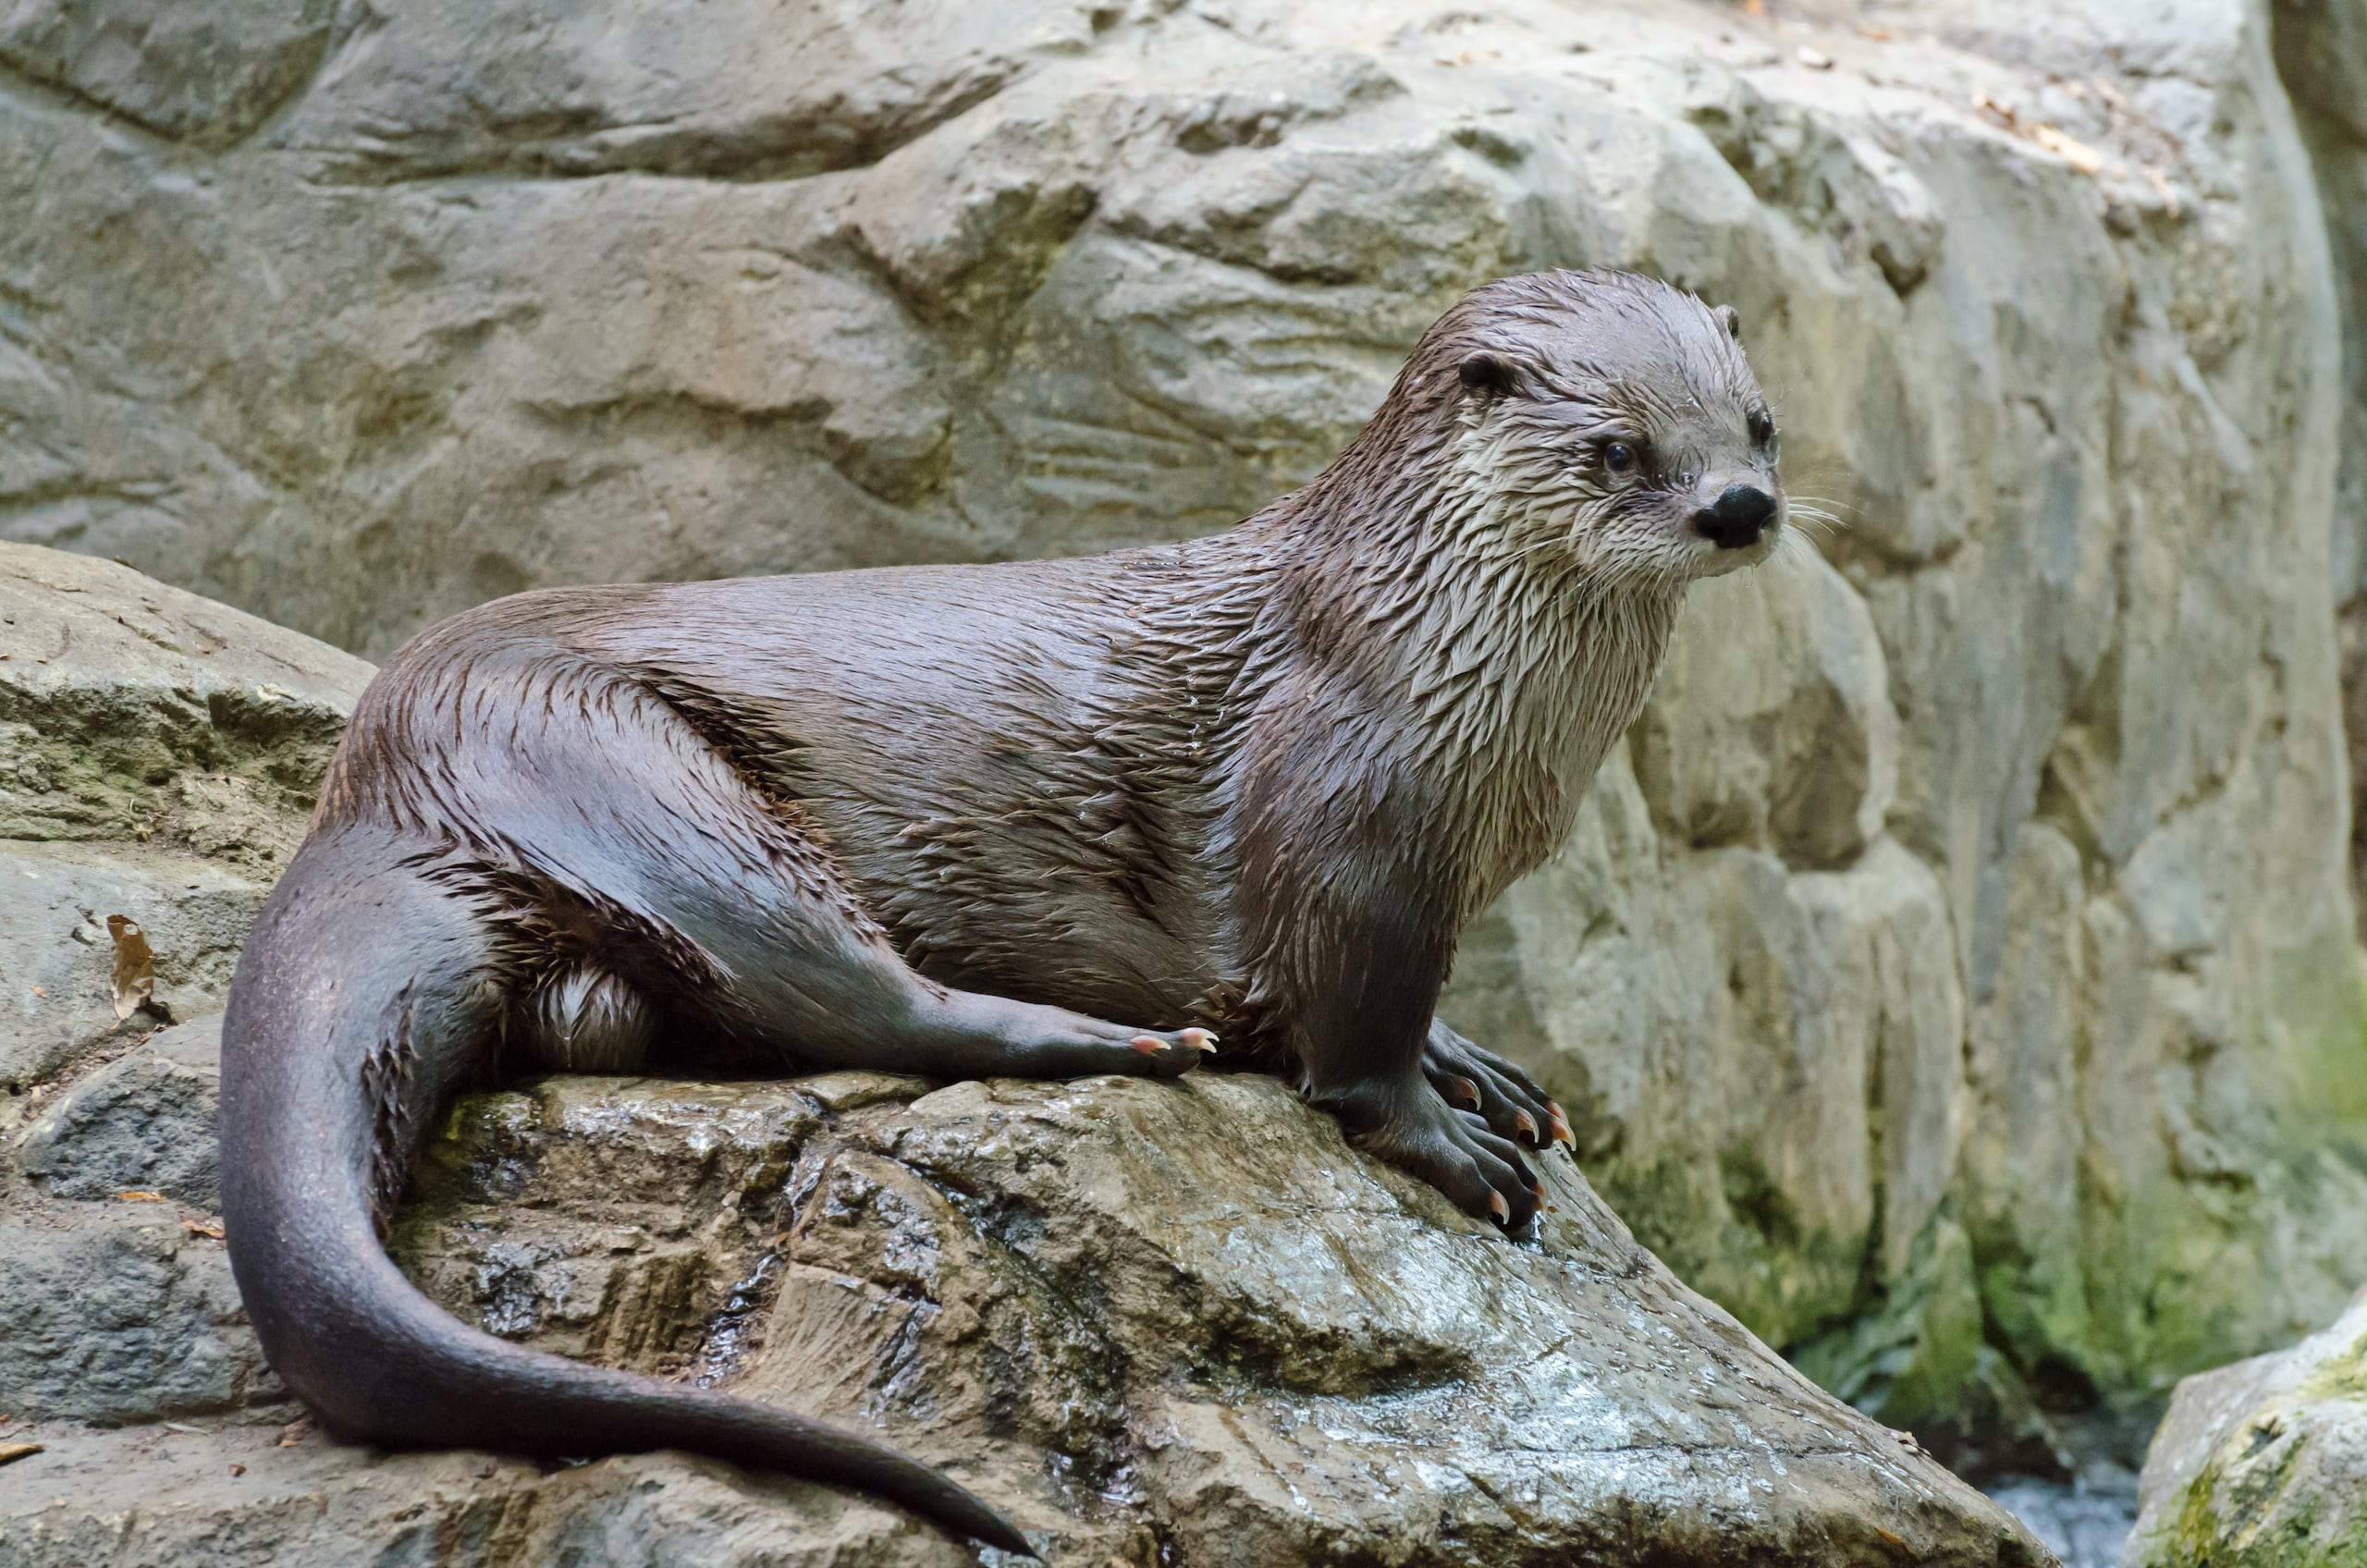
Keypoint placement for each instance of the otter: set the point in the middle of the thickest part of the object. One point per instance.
(1045, 819)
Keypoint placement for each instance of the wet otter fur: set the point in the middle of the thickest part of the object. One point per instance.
(1045, 819)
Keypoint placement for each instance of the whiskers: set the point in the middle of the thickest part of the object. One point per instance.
(1820, 515)
(1792, 544)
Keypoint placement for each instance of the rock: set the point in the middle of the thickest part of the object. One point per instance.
(118, 1314)
(209, 72)
(146, 1122)
(121, 1307)
(1176, 1323)
(157, 758)
(2265, 1462)
(2321, 45)
(1771, 724)
(1785, 1101)
(131, 710)
(238, 1495)
(58, 955)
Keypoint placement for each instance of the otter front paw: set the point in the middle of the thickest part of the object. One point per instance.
(1455, 1151)
(1506, 1097)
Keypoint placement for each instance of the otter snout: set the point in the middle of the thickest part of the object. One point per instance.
(1737, 517)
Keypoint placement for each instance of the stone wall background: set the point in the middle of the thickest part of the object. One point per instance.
(1956, 973)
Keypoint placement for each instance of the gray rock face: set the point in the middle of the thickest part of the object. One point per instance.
(207, 72)
(2322, 54)
(53, 939)
(119, 1314)
(158, 757)
(146, 1122)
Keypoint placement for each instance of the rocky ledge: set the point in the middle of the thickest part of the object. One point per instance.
(1157, 1323)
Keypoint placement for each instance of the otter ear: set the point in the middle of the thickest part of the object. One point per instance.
(1731, 319)
(1484, 371)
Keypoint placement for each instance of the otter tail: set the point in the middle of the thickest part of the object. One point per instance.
(366, 993)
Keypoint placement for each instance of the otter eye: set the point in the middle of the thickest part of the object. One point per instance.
(1619, 457)
(1762, 427)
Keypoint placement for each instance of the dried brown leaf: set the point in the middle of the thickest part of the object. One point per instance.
(203, 1228)
(134, 980)
(137, 1197)
(11, 1452)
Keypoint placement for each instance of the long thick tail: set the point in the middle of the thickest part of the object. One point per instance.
(365, 992)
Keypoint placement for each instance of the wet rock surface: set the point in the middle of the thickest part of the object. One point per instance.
(1157, 1323)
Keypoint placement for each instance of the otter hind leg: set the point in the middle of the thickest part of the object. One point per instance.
(587, 1020)
(749, 925)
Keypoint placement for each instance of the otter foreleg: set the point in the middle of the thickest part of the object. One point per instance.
(1368, 972)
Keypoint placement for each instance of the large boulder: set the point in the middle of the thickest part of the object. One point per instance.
(1174, 1323)
(2264, 1465)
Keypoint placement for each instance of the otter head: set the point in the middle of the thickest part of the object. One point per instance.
(1608, 420)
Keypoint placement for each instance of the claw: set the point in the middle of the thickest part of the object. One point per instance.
(1150, 1045)
(1468, 1091)
(1526, 1123)
(1499, 1209)
(1562, 1133)
(1537, 1187)
(1199, 1039)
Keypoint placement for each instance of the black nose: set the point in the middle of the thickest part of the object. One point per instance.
(1739, 516)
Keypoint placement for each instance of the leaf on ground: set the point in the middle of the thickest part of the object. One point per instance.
(134, 980)
(203, 1228)
(137, 1197)
(11, 1452)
